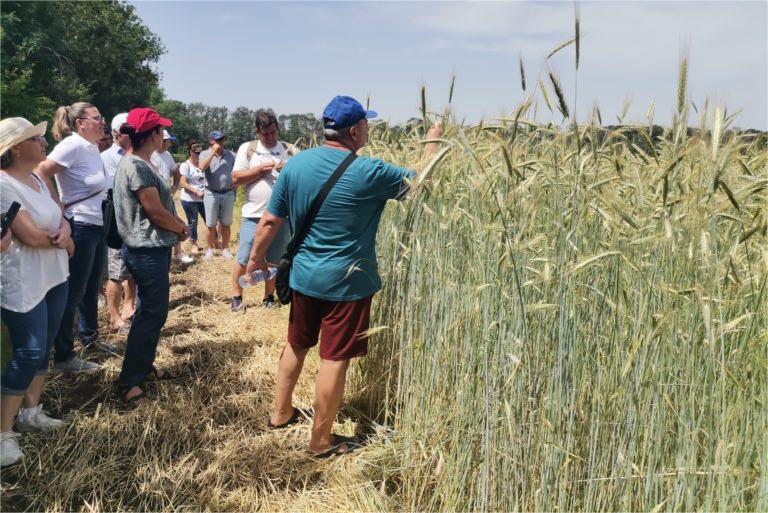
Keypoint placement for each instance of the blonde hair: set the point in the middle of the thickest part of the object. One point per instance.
(65, 119)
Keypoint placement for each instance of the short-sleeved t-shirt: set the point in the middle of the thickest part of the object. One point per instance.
(111, 158)
(257, 193)
(133, 223)
(337, 260)
(164, 164)
(195, 178)
(28, 273)
(219, 172)
(84, 175)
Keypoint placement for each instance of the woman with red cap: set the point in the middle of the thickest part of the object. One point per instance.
(149, 227)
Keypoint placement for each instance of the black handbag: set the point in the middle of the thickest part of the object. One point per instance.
(111, 235)
(282, 280)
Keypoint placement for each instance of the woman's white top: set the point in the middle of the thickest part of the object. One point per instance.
(195, 178)
(27, 273)
(84, 175)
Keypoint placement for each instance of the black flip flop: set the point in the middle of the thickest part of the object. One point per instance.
(299, 414)
(337, 441)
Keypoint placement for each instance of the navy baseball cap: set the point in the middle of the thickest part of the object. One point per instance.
(343, 112)
(216, 135)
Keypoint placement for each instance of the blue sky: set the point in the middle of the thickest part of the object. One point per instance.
(295, 56)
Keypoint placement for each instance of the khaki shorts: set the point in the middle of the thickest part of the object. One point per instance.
(116, 269)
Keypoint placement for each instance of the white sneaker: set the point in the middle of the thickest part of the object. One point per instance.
(35, 419)
(208, 255)
(10, 452)
(226, 254)
(185, 259)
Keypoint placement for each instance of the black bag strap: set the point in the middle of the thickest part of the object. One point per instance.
(301, 232)
(80, 200)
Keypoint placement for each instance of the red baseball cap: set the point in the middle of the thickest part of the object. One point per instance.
(144, 119)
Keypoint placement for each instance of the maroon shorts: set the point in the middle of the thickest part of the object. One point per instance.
(339, 324)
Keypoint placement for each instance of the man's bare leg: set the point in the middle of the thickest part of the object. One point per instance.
(114, 293)
(129, 298)
(212, 238)
(225, 232)
(237, 271)
(288, 371)
(329, 391)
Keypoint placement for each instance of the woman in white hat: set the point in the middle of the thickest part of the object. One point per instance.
(33, 281)
(82, 184)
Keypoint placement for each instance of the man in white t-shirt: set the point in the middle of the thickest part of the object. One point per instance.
(167, 167)
(257, 166)
(119, 280)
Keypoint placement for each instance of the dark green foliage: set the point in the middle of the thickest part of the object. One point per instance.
(58, 53)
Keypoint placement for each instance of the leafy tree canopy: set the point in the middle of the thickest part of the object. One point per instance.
(58, 53)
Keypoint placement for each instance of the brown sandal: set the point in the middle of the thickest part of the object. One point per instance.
(161, 375)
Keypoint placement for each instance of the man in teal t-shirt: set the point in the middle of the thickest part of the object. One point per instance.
(334, 273)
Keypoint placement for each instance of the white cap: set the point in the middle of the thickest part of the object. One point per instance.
(167, 136)
(118, 121)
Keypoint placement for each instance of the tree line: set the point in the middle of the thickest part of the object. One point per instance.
(59, 53)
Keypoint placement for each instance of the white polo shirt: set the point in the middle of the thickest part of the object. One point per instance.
(84, 175)
(257, 193)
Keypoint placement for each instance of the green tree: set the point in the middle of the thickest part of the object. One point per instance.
(58, 53)
(184, 127)
(206, 118)
(240, 126)
(302, 129)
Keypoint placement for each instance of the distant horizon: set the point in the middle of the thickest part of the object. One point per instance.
(387, 55)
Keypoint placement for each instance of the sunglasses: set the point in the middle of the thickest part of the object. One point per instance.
(97, 119)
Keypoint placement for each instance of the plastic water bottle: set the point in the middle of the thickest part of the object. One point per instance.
(247, 280)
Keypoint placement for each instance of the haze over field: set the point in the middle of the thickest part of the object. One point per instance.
(279, 54)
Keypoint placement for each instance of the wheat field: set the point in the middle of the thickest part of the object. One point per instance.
(573, 318)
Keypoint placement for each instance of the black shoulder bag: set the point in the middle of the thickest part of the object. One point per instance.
(111, 235)
(282, 286)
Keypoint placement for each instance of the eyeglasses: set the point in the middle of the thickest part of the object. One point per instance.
(37, 138)
(97, 119)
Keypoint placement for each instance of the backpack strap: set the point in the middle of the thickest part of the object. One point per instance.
(252, 145)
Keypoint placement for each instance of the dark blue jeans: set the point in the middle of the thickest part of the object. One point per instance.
(191, 210)
(32, 336)
(149, 268)
(85, 269)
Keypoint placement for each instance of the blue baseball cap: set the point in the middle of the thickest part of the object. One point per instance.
(343, 112)
(168, 137)
(215, 135)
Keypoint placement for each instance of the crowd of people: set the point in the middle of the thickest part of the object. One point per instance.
(54, 254)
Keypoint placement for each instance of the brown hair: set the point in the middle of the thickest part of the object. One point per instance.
(139, 139)
(265, 118)
(6, 160)
(190, 143)
(65, 119)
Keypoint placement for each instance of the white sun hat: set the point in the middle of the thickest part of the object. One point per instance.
(15, 130)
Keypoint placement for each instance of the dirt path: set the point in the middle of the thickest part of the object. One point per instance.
(203, 444)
